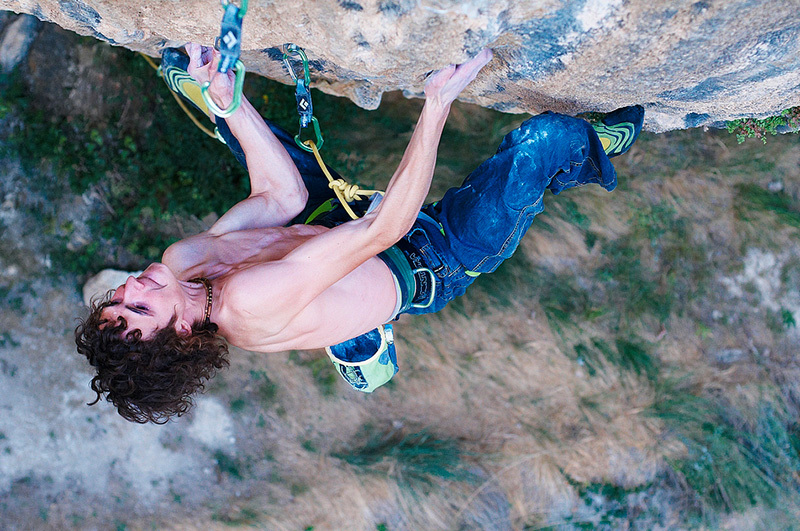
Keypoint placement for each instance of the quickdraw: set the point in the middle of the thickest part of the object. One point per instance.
(302, 93)
(344, 191)
(229, 44)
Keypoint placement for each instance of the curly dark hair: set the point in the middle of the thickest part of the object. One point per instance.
(149, 380)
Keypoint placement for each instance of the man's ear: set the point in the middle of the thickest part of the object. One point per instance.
(184, 328)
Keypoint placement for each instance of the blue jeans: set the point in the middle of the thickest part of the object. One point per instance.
(481, 223)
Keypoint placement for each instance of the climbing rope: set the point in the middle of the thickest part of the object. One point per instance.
(229, 44)
(345, 192)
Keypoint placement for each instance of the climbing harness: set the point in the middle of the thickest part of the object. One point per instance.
(302, 93)
(229, 44)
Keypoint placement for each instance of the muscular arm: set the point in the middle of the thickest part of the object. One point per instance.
(277, 192)
(320, 262)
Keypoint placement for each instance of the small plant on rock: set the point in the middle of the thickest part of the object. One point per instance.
(745, 128)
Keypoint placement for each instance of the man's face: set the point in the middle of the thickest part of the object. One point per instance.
(147, 302)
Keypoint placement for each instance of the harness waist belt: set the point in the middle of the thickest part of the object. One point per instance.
(408, 267)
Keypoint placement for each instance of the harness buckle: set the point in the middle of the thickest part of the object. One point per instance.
(432, 295)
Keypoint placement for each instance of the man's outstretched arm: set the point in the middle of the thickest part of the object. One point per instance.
(320, 262)
(277, 192)
(410, 183)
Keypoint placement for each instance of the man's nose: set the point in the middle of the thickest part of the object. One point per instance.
(132, 284)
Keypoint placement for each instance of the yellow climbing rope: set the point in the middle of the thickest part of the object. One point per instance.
(183, 106)
(345, 192)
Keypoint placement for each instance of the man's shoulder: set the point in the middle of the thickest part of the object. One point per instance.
(186, 253)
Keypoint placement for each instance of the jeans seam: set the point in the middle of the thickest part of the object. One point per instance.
(594, 166)
(503, 247)
(571, 166)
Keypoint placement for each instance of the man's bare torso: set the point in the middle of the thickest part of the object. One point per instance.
(357, 303)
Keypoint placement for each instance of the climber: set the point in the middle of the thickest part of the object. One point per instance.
(267, 282)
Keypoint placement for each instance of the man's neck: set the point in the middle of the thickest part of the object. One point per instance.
(196, 301)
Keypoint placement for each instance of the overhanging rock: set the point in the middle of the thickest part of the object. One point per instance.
(689, 63)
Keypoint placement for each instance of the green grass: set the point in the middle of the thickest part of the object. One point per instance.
(146, 176)
(753, 198)
(229, 465)
(267, 390)
(745, 128)
(609, 506)
(736, 457)
(632, 285)
(779, 322)
(567, 210)
(508, 284)
(657, 269)
(629, 354)
(324, 374)
(564, 300)
(414, 460)
(788, 319)
(238, 405)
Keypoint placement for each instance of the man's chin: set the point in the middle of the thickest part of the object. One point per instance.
(159, 274)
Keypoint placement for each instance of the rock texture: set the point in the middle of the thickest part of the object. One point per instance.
(16, 40)
(688, 62)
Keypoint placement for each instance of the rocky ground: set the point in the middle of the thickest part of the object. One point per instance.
(634, 366)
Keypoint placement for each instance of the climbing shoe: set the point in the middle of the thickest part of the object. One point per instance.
(174, 69)
(618, 130)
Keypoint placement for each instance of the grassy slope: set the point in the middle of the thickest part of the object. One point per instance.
(604, 375)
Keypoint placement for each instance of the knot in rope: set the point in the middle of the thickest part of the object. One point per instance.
(344, 191)
(350, 192)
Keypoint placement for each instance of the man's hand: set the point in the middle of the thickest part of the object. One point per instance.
(444, 86)
(203, 64)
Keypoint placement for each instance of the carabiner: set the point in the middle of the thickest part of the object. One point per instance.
(293, 49)
(317, 133)
(229, 42)
(237, 93)
(242, 7)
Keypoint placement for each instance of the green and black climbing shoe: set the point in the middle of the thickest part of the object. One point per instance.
(618, 130)
(174, 69)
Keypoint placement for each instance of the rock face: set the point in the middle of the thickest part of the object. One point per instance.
(16, 40)
(688, 62)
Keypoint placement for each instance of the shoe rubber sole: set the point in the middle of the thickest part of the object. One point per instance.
(618, 130)
(174, 66)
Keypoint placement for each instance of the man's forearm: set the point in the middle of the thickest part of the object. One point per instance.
(269, 164)
(411, 182)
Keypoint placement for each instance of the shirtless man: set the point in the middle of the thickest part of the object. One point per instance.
(266, 286)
